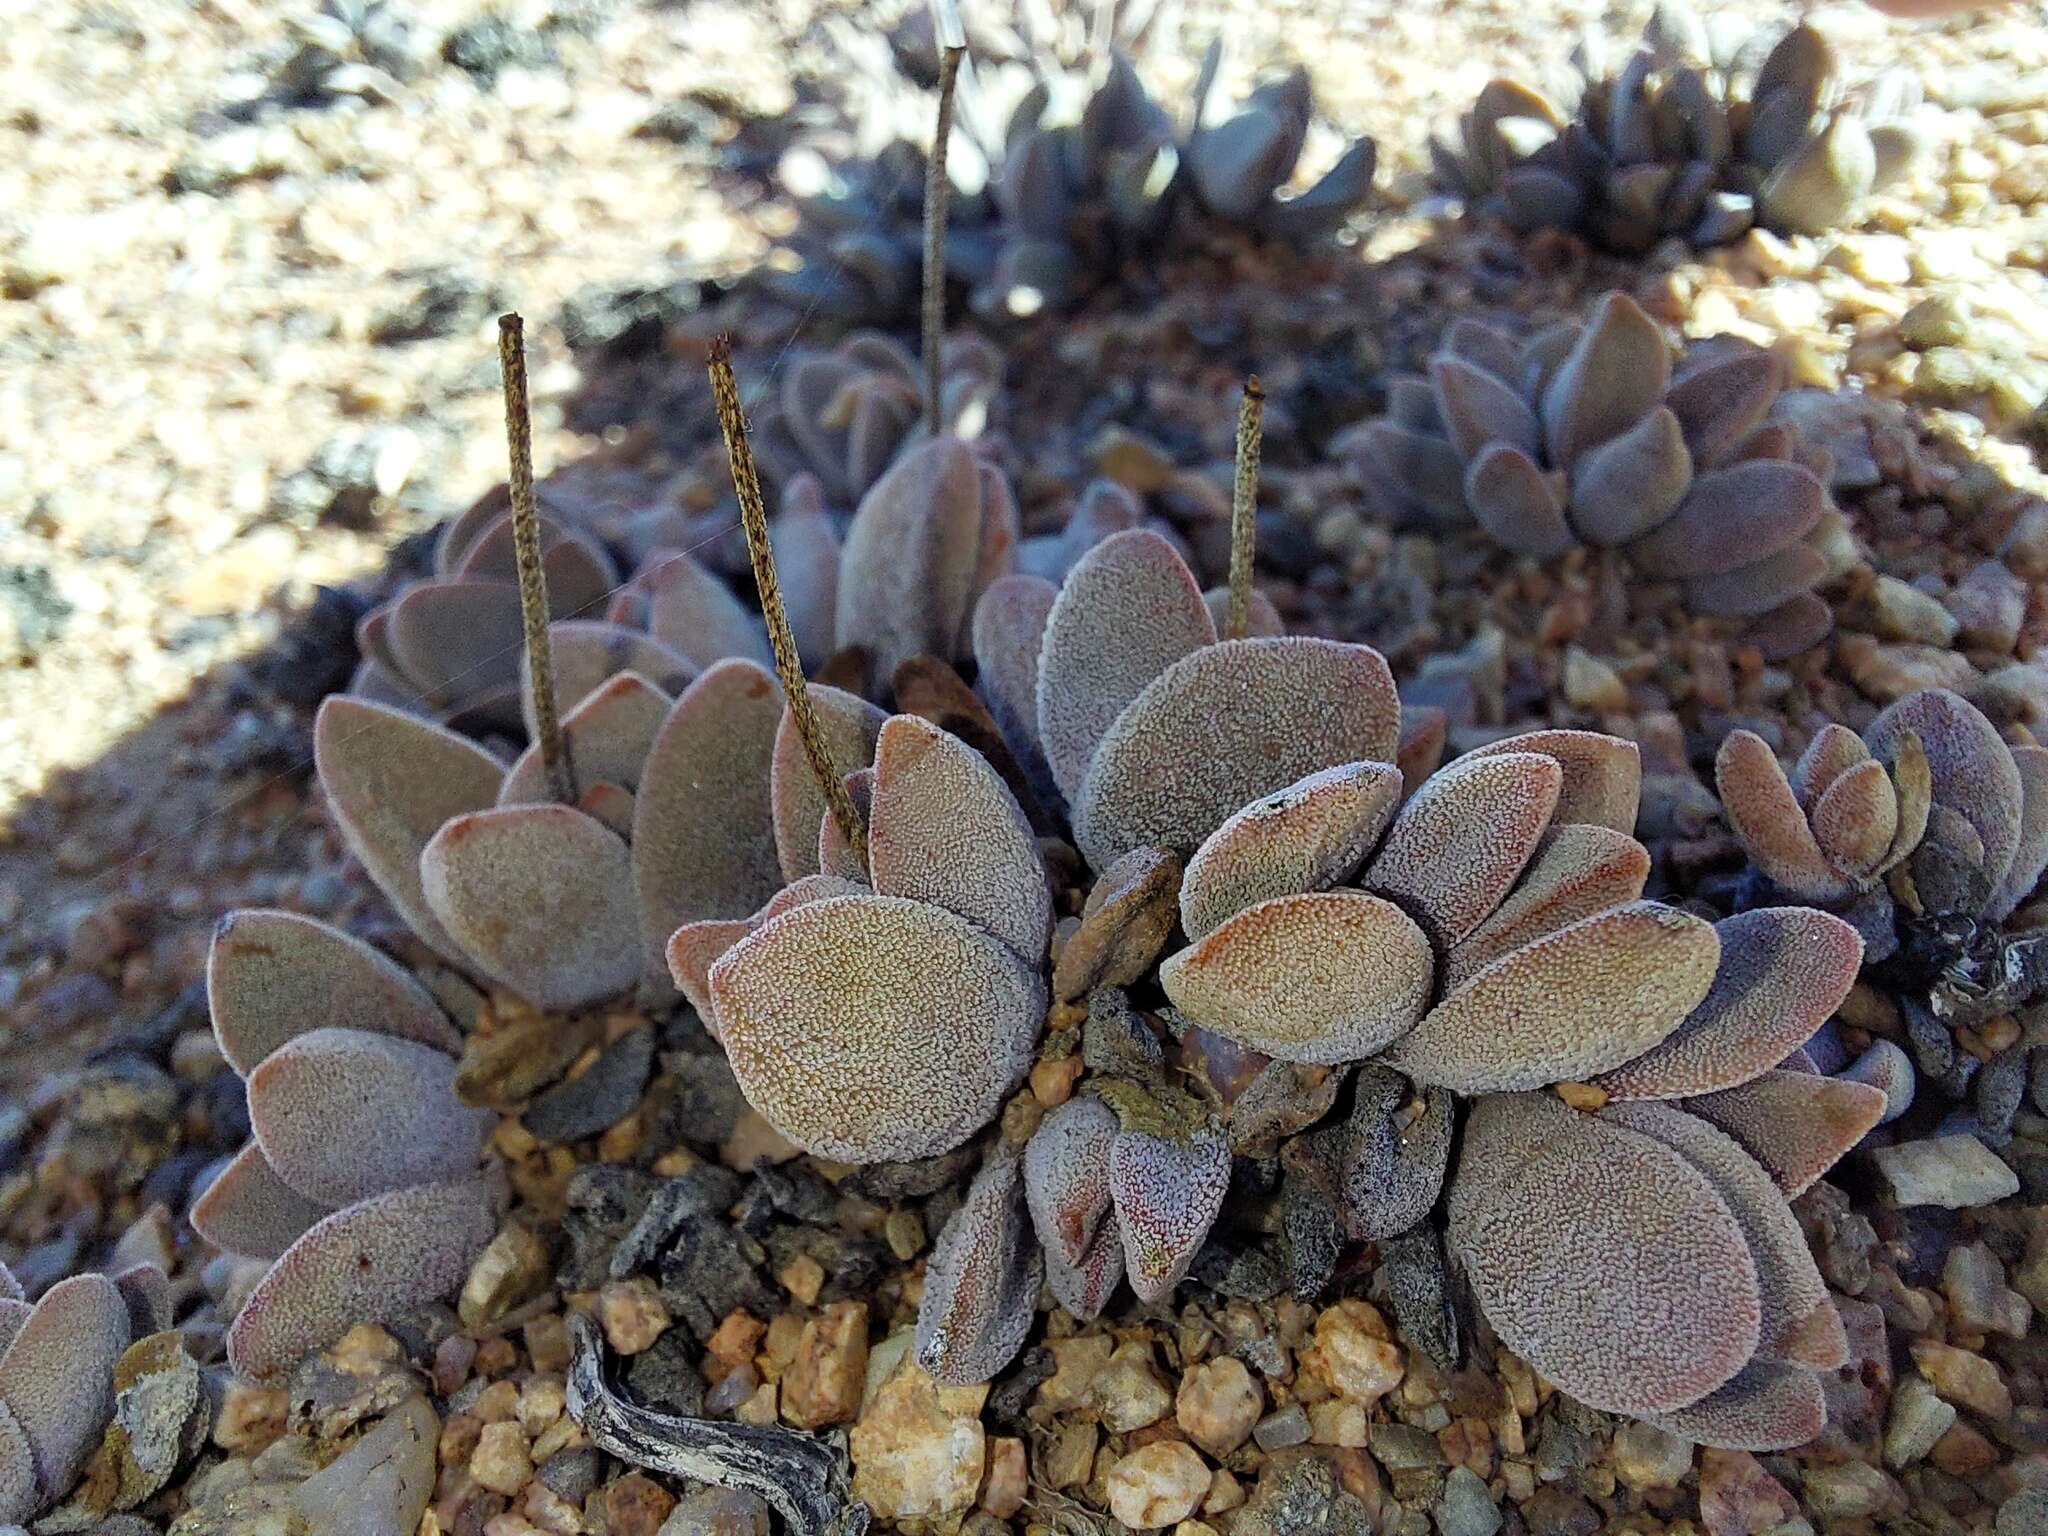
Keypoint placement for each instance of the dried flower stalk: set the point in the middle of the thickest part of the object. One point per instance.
(1244, 501)
(533, 586)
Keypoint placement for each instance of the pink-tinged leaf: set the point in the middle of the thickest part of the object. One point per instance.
(21, 1496)
(1971, 771)
(838, 858)
(1733, 516)
(806, 546)
(1632, 482)
(1799, 1325)
(1478, 407)
(703, 840)
(1262, 619)
(1009, 629)
(849, 726)
(1760, 806)
(249, 1210)
(272, 976)
(1603, 775)
(609, 804)
(1460, 844)
(588, 652)
(1424, 729)
(914, 556)
(1602, 1258)
(1797, 1126)
(1066, 1176)
(1266, 713)
(459, 535)
(1307, 837)
(1614, 376)
(1767, 1407)
(1576, 1002)
(1130, 609)
(609, 735)
(375, 1261)
(1855, 821)
(2030, 855)
(1887, 1068)
(1832, 752)
(456, 639)
(694, 614)
(540, 897)
(1749, 591)
(1516, 501)
(1084, 1289)
(1326, 977)
(1104, 508)
(945, 829)
(693, 949)
(1167, 1195)
(981, 1286)
(1720, 403)
(393, 780)
(1579, 870)
(1783, 971)
(868, 1029)
(57, 1377)
(1488, 346)
(341, 1115)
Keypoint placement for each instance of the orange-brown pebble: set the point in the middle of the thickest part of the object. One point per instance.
(1584, 1097)
(459, 1435)
(1007, 1480)
(547, 1342)
(494, 1357)
(823, 1384)
(803, 1277)
(500, 1462)
(633, 1314)
(496, 1403)
(1052, 1082)
(1225, 1493)
(1354, 1353)
(1218, 1404)
(1158, 1484)
(636, 1506)
(732, 1345)
(250, 1418)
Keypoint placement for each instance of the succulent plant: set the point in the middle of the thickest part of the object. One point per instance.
(1592, 435)
(1699, 132)
(57, 1375)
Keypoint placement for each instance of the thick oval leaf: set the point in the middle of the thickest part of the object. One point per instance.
(1603, 775)
(1855, 821)
(1129, 610)
(946, 829)
(540, 897)
(849, 725)
(1799, 1323)
(57, 1377)
(1518, 503)
(1602, 1258)
(1307, 837)
(1750, 591)
(249, 1210)
(703, 840)
(456, 639)
(21, 1494)
(608, 734)
(1783, 971)
(341, 1115)
(1832, 752)
(1767, 1407)
(1009, 630)
(393, 781)
(1719, 403)
(1264, 712)
(1733, 516)
(1326, 977)
(1579, 870)
(1167, 1195)
(1970, 769)
(806, 548)
(1614, 376)
(867, 1029)
(271, 976)
(1632, 482)
(1066, 1176)
(1478, 407)
(380, 1259)
(586, 652)
(696, 615)
(1084, 1289)
(981, 1286)
(2030, 854)
(1796, 1124)
(1460, 844)
(1758, 801)
(1579, 1001)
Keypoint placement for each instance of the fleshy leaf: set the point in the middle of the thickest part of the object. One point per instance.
(1603, 775)
(1424, 729)
(1167, 1195)
(2030, 854)
(1393, 1173)
(271, 976)
(609, 735)
(1325, 977)
(14, 1312)
(1084, 1289)
(586, 652)
(249, 1210)
(1796, 1125)
(1732, 517)
(1832, 752)
(1632, 482)
(342, 1115)
(456, 639)
(1774, 831)
(1129, 610)
(20, 1493)
(1783, 971)
(1767, 1407)
(692, 950)
(1478, 407)
(866, 1028)
(57, 1375)
(1261, 619)
(945, 829)
(838, 859)
(541, 899)
(1721, 402)
(1614, 376)
(1461, 842)
(1886, 1067)
(849, 725)
(1602, 1258)
(696, 615)
(806, 547)
(1266, 713)
(1066, 1176)
(1579, 870)
(981, 1286)
(1855, 821)
(1009, 630)
(1799, 1324)
(393, 780)
(1514, 500)
(1576, 1002)
(1307, 837)
(1752, 590)
(703, 842)
(1971, 771)
(382, 1258)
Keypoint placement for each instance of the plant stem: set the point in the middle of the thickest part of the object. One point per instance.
(1244, 504)
(937, 191)
(533, 582)
(746, 482)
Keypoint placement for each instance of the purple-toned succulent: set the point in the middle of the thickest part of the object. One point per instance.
(1592, 435)
(57, 1376)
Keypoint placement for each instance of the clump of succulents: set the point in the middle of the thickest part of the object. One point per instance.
(1698, 133)
(57, 1386)
(1930, 832)
(1592, 435)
